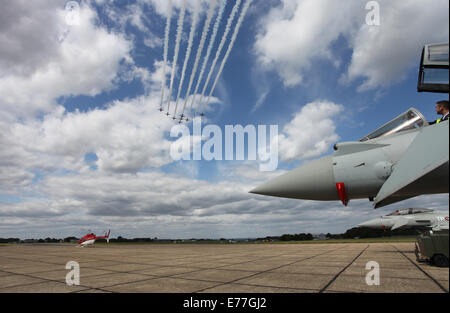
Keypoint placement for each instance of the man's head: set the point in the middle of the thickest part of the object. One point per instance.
(442, 107)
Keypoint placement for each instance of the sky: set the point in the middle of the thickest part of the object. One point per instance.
(83, 145)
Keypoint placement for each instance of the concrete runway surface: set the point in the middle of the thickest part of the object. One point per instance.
(219, 268)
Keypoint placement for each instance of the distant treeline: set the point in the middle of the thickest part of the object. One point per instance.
(72, 239)
(296, 237)
(40, 240)
(287, 237)
(118, 239)
(363, 232)
(122, 239)
(18, 240)
(349, 234)
(7, 240)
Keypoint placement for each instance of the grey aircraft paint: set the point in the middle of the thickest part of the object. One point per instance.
(410, 218)
(402, 159)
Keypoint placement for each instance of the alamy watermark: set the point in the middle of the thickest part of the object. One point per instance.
(73, 276)
(373, 276)
(72, 13)
(211, 143)
(373, 17)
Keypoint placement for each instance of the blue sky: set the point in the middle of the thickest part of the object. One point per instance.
(85, 147)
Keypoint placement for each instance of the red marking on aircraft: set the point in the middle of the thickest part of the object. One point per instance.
(89, 239)
(342, 193)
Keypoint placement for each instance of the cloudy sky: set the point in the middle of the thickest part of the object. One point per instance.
(84, 146)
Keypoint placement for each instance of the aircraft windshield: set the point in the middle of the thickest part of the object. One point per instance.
(409, 211)
(411, 119)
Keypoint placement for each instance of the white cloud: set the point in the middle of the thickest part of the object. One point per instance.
(28, 35)
(45, 58)
(383, 54)
(133, 14)
(153, 41)
(52, 191)
(311, 132)
(128, 136)
(42, 58)
(247, 172)
(297, 33)
(157, 204)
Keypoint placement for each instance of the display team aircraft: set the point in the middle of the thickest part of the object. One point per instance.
(402, 159)
(420, 218)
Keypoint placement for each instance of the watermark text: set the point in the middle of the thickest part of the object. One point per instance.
(211, 143)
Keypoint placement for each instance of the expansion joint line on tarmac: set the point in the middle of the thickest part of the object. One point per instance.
(153, 277)
(426, 274)
(338, 274)
(30, 275)
(262, 272)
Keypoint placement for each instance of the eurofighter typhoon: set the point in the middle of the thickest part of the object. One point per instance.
(410, 218)
(397, 161)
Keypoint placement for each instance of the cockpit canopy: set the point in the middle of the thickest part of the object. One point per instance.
(433, 71)
(411, 119)
(409, 211)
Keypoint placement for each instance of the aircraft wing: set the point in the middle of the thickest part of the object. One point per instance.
(399, 222)
(423, 169)
(440, 223)
(439, 227)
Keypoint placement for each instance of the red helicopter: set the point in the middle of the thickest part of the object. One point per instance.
(89, 239)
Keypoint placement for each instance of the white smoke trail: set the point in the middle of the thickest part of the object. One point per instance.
(219, 50)
(230, 47)
(188, 52)
(205, 31)
(210, 46)
(166, 50)
(177, 49)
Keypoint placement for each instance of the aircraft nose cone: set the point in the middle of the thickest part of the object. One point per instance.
(375, 223)
(313, 181)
